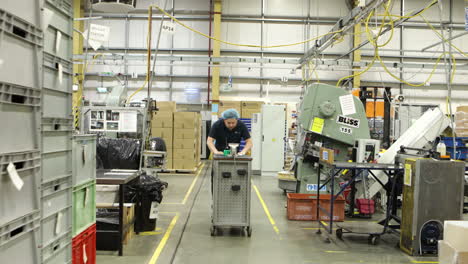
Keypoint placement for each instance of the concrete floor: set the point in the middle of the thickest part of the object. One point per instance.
(183, 233)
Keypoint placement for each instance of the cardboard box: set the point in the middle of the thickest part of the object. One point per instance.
(463, 108)
(327, 155)
(163, 119)
(169, 143)
(247, 113)
(169, 164)
(230, 104)
(187, 120)
(169, 151)
(456, 234)
(185, 144)
(186, 154)
(190, 133)
(252, 105)
(450, 255)
(166, 133)
(184, 164)
(166, 106)
(225, 105)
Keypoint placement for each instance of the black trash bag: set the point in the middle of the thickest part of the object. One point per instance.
(107, 220)
(106, 216)
(143, 194)
(118, 153)
(157, 144)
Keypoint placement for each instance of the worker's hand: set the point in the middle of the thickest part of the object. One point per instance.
(219, 153)
(242, 153)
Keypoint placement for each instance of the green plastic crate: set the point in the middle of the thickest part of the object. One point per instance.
(84, 206)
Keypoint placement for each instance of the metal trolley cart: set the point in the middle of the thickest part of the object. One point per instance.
(231, 193)
(392, 171)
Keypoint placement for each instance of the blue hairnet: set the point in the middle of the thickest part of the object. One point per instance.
(230, 113)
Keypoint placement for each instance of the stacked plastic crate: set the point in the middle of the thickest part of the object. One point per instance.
(57, 128)
(84, 199)
(21, 45)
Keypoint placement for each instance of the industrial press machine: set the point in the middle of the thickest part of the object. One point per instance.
(330, 118)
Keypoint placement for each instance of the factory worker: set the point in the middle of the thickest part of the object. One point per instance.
(228, 129)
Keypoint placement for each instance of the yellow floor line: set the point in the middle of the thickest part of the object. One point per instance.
(313, 228)
(265, 208)
(164, 240)
(416, 261)
(333, 251)
(193, 184)
(150, 233)
(189, 191)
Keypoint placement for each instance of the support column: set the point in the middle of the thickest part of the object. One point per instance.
(78, 75)
(216, 49)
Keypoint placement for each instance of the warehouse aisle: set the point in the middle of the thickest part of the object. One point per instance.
(274, 239)
(282, 242)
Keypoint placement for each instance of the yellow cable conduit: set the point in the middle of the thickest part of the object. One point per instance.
(372, 40)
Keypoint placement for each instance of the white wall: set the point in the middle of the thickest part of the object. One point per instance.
(190, 81)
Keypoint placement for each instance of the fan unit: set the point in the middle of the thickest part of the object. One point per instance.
(114, 6)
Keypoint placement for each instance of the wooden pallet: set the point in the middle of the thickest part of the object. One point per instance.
(182, 171)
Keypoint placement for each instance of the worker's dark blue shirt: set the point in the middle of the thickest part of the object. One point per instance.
(224, 136)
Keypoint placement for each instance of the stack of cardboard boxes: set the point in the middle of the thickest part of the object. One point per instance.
(225, 105)
(162, 126)
(250, 107)
(245, 108)
(461, 121)
(187, 129)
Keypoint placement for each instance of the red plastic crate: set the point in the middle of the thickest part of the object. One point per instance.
(365, 206)
(84, 247)
(303, 207)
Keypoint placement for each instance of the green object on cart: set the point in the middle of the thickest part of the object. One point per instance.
(227, 152)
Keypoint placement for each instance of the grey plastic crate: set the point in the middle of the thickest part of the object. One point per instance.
(58, 251)
(28, 10)
(56, 195)
(51, 76)
(56, 165)
(231, 207)
(56, 148)
(56, 93)
(20, 51)
(56, 225)
(58, 43)
(56, 104)
(84, 158)
(19, 112)
(19, 240)
(56, 209)
(16, 203)
(56, 135)
(61, 12)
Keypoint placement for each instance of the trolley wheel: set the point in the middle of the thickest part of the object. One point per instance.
(213, 230)
(374, 240)
(318, 232)
(249, 231)
(339, 233)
